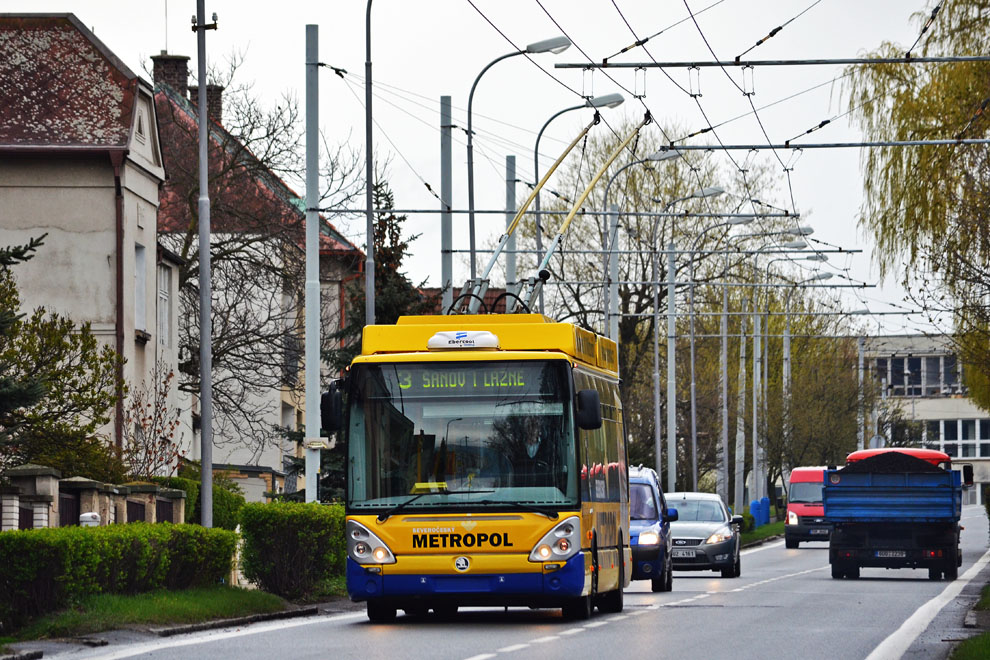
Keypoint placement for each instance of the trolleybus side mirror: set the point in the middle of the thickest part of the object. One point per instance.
(332, 408)
(967, 470)
(589, 410)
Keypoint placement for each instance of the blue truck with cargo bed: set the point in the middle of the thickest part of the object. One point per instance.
(894, 519)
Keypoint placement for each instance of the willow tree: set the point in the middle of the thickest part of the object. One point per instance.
(927, 206)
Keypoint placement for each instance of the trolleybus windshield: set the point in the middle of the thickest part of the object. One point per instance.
(457, 435)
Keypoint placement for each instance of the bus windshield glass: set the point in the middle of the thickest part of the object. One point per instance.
(458, 435)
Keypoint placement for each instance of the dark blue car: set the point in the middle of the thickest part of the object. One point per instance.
(649, 529)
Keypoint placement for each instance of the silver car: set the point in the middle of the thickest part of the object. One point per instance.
(705, 536)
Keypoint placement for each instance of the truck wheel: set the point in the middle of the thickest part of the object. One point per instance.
(934, 573)
(951, 571)
(791, 544)
(837, 572)
(852, 572)
(379, 612)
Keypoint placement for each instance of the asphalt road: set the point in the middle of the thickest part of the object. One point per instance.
(785, 605)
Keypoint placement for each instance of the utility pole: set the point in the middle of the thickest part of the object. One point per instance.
(312, 302)
(510, 214)
(205, 279)
(446, 204)
(739, 494)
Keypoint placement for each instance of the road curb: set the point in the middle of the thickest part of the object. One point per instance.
(228, 623)
(753, 544)
(27, 655)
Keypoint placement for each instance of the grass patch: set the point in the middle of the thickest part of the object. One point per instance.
(108, 611)
(984, 603)
(974, 648)
(762, 532)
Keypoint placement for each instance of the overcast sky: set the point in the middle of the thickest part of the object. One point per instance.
(422, 49)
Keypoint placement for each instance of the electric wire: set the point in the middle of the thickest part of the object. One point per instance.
(640, 42)
(774, 32)
(924, 28)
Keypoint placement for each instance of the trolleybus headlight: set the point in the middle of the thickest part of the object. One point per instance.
(792, 518)
(366, 548)
(560, 543)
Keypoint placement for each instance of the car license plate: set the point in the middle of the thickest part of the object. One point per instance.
(820, 530)
(680, 552)
(897, 554)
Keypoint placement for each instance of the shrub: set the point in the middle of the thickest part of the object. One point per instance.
(48, 569)
(749, 522)
(226, 506)
(291, 549)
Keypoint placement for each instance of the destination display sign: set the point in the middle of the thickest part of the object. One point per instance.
(518, 378)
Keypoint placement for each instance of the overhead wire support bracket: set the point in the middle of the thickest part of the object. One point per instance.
(808, 62)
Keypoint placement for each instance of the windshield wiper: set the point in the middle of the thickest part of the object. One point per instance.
(382, 517)
(551, 514)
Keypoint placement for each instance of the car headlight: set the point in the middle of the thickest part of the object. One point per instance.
(366, 548)
(649, 538)
(723, 534)
(792, 518)
(560, 543)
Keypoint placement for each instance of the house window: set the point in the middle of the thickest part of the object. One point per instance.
(914, 376)
(951, 377)
(164, 295)
(897, 376)
(882, 374)
(140, 289)
(933, 381)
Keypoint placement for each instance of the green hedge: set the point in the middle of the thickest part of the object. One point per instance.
(292, 549)
(49, 569)
(191, 489)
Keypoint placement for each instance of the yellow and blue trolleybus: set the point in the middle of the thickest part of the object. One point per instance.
(486, 465)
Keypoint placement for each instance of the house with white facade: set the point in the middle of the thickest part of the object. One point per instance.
(81, 160)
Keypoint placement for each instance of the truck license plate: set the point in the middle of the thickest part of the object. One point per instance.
(681, 553)
(897, 554)
(819, 530)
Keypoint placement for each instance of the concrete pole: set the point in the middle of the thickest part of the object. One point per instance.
(613, 275)
(671, 374)
(757, 489)
(722, 456)
(510, 214)
(446, 197)
(786, 376)
(312, 262)
(694, 417)
(369, 175)
(739, 494)
(205, 285)
(657, 437)
(860, 413)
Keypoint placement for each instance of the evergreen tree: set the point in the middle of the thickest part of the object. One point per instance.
(57, 386)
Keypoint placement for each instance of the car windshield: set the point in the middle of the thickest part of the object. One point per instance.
(459, 434)
(806, 492)
(642, 503)
(698, 510)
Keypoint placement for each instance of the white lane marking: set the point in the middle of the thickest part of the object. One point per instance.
(213, 636)
(544, 640)
(637, 613)
(596, 624)
(483, 656)
(572, 631)
(759, 548)
(898, 642)
(514, 647)
(618, 617)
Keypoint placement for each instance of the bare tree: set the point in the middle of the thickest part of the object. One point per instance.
(257, 258)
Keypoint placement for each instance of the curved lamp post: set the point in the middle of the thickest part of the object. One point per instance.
(554, 45)
(611, 265)
(671, 337)
(604, 101)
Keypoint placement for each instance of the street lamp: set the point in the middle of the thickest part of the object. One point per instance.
(743, 220)
(554, 45)
(611, 265)
(671, 337)
(604, 101)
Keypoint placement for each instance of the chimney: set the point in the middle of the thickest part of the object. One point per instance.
(173, 70)
(214, 100)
